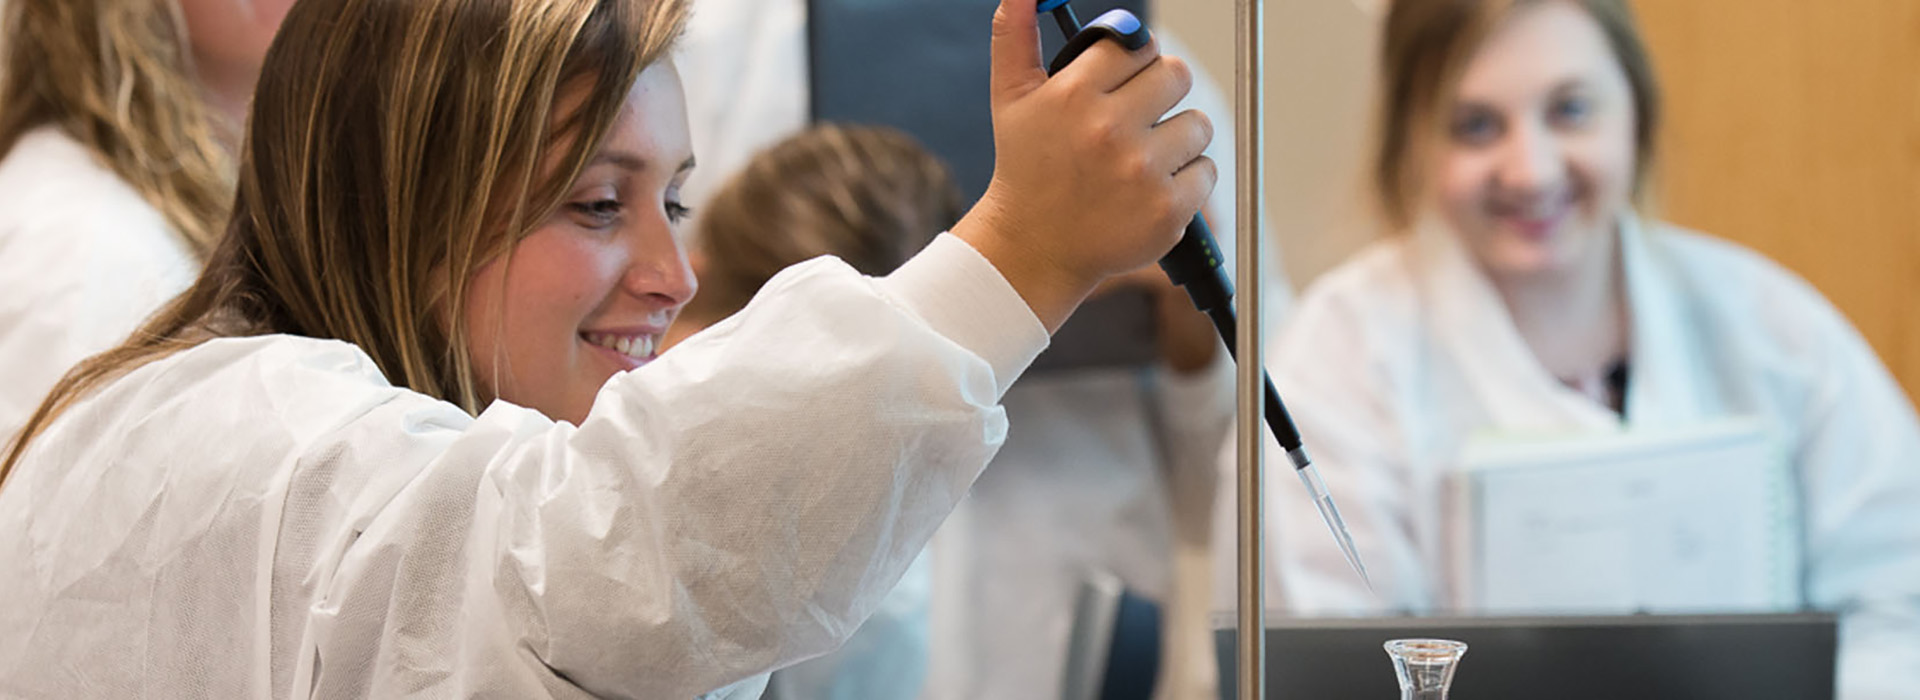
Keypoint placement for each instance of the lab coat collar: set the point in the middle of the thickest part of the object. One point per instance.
(1669, 368)
(1473, 326)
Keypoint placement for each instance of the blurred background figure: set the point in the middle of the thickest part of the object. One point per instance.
(1525, 293)
(117, 121)
(871, 197)
(1108, 468)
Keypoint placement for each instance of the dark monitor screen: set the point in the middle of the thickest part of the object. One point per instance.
(1647, 657)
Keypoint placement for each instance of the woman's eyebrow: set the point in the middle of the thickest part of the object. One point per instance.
(619, 159)
(632, 161)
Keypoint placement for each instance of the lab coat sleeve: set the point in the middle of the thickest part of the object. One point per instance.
(737, 505)
(886, 658)
(1860, 468)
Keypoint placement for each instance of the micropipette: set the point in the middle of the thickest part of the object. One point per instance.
(1196, 265)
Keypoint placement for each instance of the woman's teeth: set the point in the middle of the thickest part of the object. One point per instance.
(637, 346)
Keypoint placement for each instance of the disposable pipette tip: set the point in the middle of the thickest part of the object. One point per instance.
(1330, 514)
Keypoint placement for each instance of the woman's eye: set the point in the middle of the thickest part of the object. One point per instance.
(1571, 111)
(677, 212)
(599, 212)
(1476, 128)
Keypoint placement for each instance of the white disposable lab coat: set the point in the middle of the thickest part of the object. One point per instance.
(267, 517)
(83, 258)
(1104, 470)
(1394, 359)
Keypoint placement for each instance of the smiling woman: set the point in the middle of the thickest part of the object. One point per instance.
(384, 446)
(1528, 298)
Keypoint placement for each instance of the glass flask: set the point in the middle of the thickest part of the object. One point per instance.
(1425, 666)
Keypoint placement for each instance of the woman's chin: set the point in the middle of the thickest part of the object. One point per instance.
(1526, 260)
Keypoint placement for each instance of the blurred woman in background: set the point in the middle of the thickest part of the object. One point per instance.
(869, 196)
(117, 121)
(1526, 292)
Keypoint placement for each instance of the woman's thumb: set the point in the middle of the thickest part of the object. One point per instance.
(1016, 50)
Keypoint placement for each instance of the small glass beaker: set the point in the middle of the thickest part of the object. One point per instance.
(1425, 666)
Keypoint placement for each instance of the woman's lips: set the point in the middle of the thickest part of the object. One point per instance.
(627, 349)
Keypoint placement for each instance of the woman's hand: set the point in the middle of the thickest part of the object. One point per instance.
(1088, 181)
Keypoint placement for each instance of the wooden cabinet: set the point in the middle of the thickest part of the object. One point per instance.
(1794, 127)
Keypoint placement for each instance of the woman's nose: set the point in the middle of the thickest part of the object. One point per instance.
(1533, 161)
(660, 268)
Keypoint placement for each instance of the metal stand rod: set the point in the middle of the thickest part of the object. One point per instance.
(1249, 31)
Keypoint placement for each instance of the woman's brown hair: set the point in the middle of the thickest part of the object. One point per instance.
(1427, 47)
(117, 76)
(869, 195)
(395, 146)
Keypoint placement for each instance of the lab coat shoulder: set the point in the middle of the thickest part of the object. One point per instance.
(1349, 334)
(182, 422)
(1750, 294)
(1782, 333)
(83, 258)
(71, 229)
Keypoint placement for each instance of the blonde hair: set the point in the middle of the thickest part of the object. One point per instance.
(395, 147)
(871, 196)
(1427, 46)
(117, 76)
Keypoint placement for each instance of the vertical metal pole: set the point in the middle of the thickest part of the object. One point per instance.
(1250, 29)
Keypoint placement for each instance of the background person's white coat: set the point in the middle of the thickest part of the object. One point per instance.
(83, 259)
(1398, 356)
(266, 517)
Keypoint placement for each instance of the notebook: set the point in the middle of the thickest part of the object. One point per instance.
(1702, 519)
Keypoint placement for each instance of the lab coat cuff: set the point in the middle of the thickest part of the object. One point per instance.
(963, 297)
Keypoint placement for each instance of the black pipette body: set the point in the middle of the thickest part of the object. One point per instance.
(1069, 24)
(1195, 263)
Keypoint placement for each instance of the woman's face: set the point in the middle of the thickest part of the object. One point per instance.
(589, 293)
(232, 36)
(1538, 159)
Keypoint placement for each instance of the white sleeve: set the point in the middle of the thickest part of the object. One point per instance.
(741, 503)
(1860, 467)
(886, 658)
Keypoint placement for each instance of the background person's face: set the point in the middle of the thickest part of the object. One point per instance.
(232, 36)
(590, 292)
(1538, 159)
